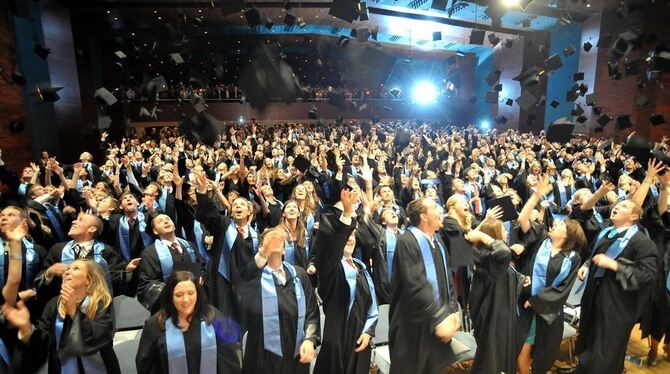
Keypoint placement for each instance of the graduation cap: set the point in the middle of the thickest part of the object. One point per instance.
(577, 111)
(18, 77)
(509, 43)
(613, 70)
(553, 62)
(597, 110)
(176, 58)
(569, 51)
(505, 203)
(599, 129)
(477, 37)
(120, 55)
(656, 119)
(638, 147)
(47, 94)
(437, 35)
(202, 128)
(526, 100)
(439, 4)
(560, 131)
(15, 127)
(494, 39)
(395, 92)
(229, 7)
(554, 104)
(498, 87)
(492, 97)
(198, 103)
(528, 77)
(658, 155)
(493, 77)
(41, 51)
(301, 163)
(346, 10)
(632, 67)
(103, 95)
(642, 100)
(604, 120)
(501, 120)
(289, 19)
(509, 102)
(153, 86)
(571, 95)
(587, 46)
(623, 122)
(624, 43)
(581, 119)
(591, 99)
(312, 114)
(578, 76)
(583, 88)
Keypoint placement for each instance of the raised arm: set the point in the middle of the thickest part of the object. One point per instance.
(543, 188)
(653, 168)
(599, 194)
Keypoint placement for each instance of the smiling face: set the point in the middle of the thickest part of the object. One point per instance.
(433, 215)
(184, 298)
(76, 275)
(291, 210)
(163, 225)
(300, 192)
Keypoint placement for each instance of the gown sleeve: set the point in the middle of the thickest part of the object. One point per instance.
(148, 356)
(548, 304)
(87, 336)
(332, 238)
(639, 272)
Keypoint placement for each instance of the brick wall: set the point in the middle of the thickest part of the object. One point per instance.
(16, 151)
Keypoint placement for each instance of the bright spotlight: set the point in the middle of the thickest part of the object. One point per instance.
(510, 3)
(241, 119)
(485, 125)
(425, 93)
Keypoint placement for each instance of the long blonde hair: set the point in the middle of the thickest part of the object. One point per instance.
(464, 222)
(97, 292)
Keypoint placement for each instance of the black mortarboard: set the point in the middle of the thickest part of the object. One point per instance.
(335, 99)
(509, 102)
(301, 163)
(578, 76)
(346, 10)
(583, 88)
(505, 203)
(591, 99)
(477, 37)
(153, 86)
(560, 132)
(493, 39)
(439, 4)
(47, 94)
(581, 119)
(176, 58)
(493, 77)
(623, 122)
(642, 100)
(289, 19)
(198, 102)
(395, 92)
(498, 87)
(104, 96)
(658, 155)
(577, 111)
(613, 70)
(597, 110)
(313, 113)
(526, 100)
(437, 35)
(202, 128)
(571, 95)
(253, 17)
(501, 120)
(632, 67)
(554, 103)
(599, 129)
(553, 62)
(509, 43)
(568, 51)
(604, 120)
(229, 7)
(587, 46)
(41, 51)
(492, 97)
(15, 127)
(656, 119)
(637, 146)
(528, 77)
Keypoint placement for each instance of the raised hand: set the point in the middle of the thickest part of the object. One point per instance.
(201, 182)
(18, 317)
(653, 168)
(307, 352)
(494, 213)
(348, 199)
(17, 233)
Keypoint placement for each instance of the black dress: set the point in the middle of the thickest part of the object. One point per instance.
(81, 338)
(494, 301)
(152, 354)
(256, 358)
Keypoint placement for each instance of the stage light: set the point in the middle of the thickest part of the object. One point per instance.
(241, 119)
(485, 125)
(510, 3)
(425, 93)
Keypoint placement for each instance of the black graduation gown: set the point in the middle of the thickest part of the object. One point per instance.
(612, 305)
(186, 222)
(35, 304)
(547, 307)
(461, 255)
(494, 308)
(221, 292)
(655, 319)
(152, 356)
(80, 337)
(120, 279)
(590, 225)
(414, 313)
(256, 358)
(136, 243)
(151, 273)
(341, 327)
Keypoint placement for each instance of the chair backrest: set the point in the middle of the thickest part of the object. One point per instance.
(129, 314)
(575, 297)
(382, 329)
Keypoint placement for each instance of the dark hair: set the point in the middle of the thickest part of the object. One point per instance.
(300, 225)
(202, 310)
(415, 209)
(575, 239)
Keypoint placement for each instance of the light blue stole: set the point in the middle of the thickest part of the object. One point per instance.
(429, 263)
(124, 234)
(271, 324)
(32, 262)
(391, 240)
(231, 236)
(617, 246)
(351, 276)
(539, 278)
(165, 255)
(91, 363)
(176, 348)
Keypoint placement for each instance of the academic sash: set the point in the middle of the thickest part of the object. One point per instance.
(271, 324)
(428, 262)
(165, 255)
(91, 363)
(124, 234)
(351, 275)
(539, 278)
(176, 348)
(32, 262)
(617, 246)
(229, 240)
(391, 240)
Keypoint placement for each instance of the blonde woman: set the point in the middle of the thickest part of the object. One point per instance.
(76, 328)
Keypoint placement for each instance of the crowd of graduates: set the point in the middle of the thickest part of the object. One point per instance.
(282, 242)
